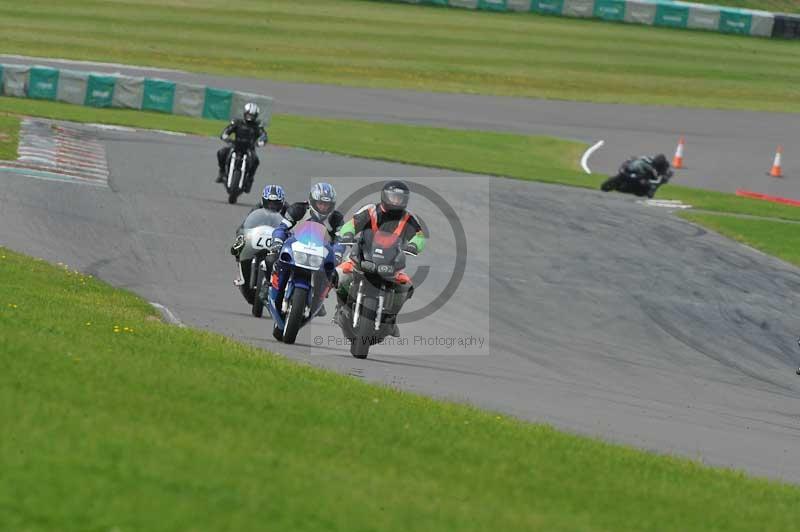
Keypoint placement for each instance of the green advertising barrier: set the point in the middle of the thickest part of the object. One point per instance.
(217, 105)
(610, 10)
(548, 7)
(492, 5)
(126, 92)
(43, 83)
(672, 16)
(434, 2)
(99, 90)
(734, 21)
(159, 95)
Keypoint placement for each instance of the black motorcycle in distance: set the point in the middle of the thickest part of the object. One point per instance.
(236, 168)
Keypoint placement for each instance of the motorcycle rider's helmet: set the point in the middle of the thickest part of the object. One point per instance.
(322, 200)
(661, 164)
(273, 198)
(394, 196)
(251, 112)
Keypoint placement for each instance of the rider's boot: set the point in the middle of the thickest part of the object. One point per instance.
(395, 330)
(337, 314)
(269, 288)
(220, 175)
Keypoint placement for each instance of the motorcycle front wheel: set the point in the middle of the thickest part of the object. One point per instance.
(233, 193)
(365, 329)
(610, 184)
(295, 316)
(258, 305)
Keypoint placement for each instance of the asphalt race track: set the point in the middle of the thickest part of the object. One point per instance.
(725, 150)
(606, 316)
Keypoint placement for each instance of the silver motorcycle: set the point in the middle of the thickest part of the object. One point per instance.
(253, 240)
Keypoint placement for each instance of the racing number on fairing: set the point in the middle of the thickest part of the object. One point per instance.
(263, 242)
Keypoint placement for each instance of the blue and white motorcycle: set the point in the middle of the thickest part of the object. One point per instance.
(305, 263)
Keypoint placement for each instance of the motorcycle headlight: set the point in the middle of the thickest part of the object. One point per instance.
(307, 260)
(385, 268)
(368, 266)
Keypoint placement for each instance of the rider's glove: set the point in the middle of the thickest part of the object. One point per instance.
(411, 249)
(276, 245)
(237, 245)
(338, 252)
(347, 239)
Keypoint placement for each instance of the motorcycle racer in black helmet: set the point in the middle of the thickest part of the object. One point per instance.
(247, 132)
(390, 215)
(641, 176)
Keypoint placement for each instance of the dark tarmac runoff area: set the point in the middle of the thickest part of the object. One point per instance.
(590, 311)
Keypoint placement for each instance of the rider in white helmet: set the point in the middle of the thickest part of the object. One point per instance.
(246, 132)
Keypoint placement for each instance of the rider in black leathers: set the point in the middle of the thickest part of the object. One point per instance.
(246, 132)
(640, 176)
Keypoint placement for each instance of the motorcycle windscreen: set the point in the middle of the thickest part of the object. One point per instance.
(261, 217)
(311, 234)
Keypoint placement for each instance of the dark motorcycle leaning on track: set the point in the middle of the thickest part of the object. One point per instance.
(236, 168)
(254, 241)
(629, 182)
(373, 302)
(307, 257)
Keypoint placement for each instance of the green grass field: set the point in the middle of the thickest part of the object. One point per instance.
(114, 421)
(9, 137)
(378, 44)
(778, 238)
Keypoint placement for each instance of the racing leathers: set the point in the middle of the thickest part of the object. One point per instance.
(403, 224)
(245, 136)
(643, 170)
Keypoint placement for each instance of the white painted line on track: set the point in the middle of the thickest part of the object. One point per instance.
(168, 315)
(44, 175)
(669, 204)
(588, 153)
(110, 127)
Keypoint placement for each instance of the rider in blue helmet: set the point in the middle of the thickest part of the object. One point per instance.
(273, 198)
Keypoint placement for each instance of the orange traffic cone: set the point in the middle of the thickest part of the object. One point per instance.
(776, 164)
(677, 161)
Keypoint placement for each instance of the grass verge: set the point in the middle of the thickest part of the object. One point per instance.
(522, 156)
(112, 419)
(380, 44)
(781, 239)
(9, 137)
(534, 158)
